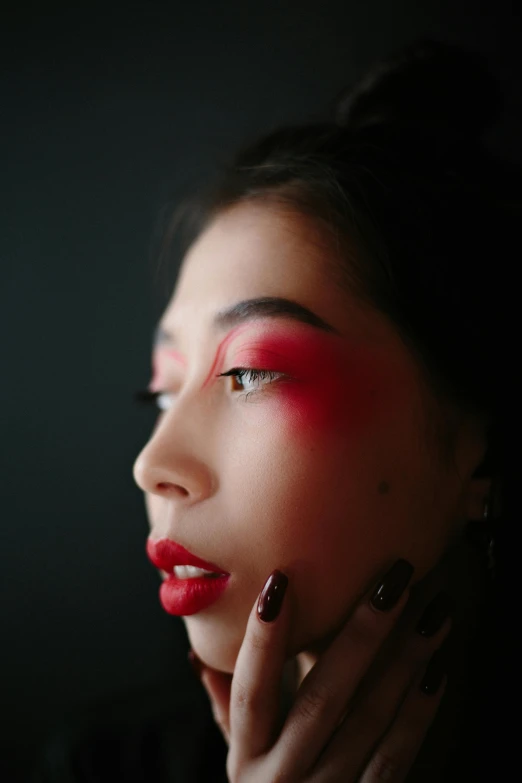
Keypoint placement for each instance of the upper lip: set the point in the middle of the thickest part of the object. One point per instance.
(165, 554)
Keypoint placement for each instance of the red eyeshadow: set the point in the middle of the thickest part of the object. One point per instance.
(333, 384)
(177, 356)
(223, 345)
(155, 384)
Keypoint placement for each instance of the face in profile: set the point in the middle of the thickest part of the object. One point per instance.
(318, 455)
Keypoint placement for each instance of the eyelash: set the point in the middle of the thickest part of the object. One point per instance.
(250, 374)
(146, 397)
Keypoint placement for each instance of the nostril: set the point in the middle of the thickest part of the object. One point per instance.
(167, 485)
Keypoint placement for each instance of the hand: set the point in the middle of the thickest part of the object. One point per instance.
(347, 722)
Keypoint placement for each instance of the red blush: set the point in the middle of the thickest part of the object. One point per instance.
(332, 383)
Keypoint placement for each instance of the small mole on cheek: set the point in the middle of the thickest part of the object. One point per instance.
(383, 488)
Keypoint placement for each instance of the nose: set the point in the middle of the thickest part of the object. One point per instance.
(171, 465)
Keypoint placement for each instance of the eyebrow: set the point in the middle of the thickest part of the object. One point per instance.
(251, 309)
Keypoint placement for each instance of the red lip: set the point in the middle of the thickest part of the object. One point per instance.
(166, 554)
(183, 597)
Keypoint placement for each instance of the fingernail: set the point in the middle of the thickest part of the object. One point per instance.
(271, 597)
(434, 674)
(434, 615)
(392, 586)
(195, 663)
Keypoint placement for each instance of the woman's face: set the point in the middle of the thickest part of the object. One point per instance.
(325, 467)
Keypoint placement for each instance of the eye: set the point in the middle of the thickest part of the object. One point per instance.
(250, 380)
(160, 400)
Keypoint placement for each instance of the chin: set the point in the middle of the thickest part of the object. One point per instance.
(214, 643)
(217, 643)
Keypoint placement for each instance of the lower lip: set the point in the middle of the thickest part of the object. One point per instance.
(184, 597)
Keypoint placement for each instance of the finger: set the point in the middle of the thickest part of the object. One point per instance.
(256, 684)
(326, 691)
(218, 685)
(377, 705)
(392, 673)
(396, 753)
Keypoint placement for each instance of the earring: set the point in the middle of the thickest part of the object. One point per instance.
(480, 533)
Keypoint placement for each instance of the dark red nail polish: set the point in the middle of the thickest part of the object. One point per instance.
(434, 674)
(271, 598)
(435, 615)
(392, 586)
(195, 663)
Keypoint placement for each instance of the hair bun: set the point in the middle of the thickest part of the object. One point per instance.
(428, 87)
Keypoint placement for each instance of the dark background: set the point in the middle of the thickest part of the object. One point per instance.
(107, 114)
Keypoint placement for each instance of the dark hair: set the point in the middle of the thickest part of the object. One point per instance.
(423, 215)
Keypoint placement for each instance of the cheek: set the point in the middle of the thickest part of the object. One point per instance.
(319, 523)
(313, 506)
(299, 496)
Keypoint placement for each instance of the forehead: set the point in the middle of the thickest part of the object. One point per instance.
(257, 250)
(251, 249)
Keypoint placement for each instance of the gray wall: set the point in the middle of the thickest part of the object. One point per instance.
(105, 116)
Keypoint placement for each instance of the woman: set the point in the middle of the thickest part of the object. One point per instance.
(332, 432)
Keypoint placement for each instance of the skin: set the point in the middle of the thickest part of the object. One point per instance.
(330, 473)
